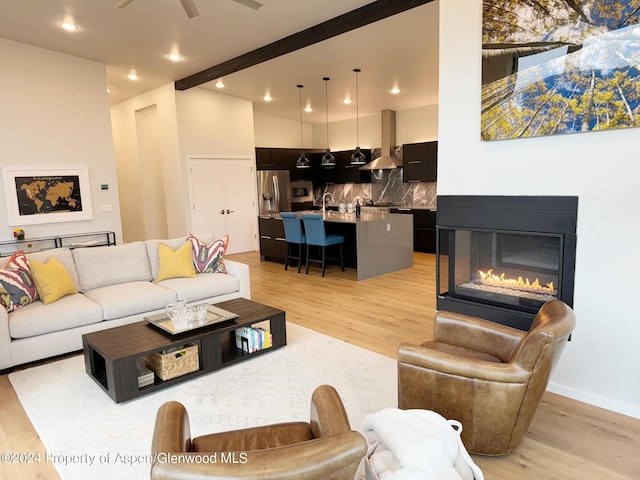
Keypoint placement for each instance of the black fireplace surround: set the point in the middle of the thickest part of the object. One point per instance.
(502, 257)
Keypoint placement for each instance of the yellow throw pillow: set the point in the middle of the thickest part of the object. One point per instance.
(175, 263)
(52, 280)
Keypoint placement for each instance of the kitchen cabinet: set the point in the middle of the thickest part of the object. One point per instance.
(424, 228)
(305, 174)
(273, 243)
(276, 158)
(289, 157)
(343, 171)
(420, 162)
(286, 159)
(263, 159)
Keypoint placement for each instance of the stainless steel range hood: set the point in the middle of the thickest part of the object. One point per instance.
(386, 161)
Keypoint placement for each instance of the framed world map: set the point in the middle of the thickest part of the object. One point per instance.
(46, 195)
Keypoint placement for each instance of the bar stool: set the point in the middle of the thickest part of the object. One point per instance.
(294, 236)
(316, 235)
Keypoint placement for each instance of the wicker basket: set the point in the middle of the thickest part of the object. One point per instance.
(174, 364)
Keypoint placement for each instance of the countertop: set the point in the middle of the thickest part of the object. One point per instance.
(432, 209)
(337, 217)
(334, 215)
(397, 207)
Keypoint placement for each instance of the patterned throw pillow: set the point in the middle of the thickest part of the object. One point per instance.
(208, 258)
(17, 287)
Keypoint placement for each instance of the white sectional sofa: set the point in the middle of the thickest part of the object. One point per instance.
(116, 287)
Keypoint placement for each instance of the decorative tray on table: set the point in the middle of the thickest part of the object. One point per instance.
(215, 315)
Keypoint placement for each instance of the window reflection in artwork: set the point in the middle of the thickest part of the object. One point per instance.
(560, 66)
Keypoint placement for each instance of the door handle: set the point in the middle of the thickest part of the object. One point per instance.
(229, 211)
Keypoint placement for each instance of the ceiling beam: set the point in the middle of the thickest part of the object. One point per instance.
(352, 20)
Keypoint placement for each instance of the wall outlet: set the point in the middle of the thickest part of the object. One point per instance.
(388, 227)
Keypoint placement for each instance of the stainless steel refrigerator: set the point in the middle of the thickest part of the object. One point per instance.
(274, 191)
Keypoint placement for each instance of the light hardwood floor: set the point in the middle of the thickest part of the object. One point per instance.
(567, 439)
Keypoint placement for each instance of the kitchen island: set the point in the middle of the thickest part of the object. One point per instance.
(375, 243)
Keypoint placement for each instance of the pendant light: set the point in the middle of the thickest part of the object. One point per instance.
(302, 162)
(357, 158)
(328, 160)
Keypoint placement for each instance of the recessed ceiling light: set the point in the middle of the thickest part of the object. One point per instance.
(267, 98)
(220, 84)
(174, 57)
(132, 76)
(68, 26)
(395, 90)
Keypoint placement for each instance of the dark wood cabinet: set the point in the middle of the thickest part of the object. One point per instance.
(275, 158)
(273, 243)
(306, 174)
(263, 159)
(286, 159)
(343, 171)
(424, 228)
(420, 162)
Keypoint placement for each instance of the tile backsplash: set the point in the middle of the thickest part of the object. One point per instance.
(386, 187)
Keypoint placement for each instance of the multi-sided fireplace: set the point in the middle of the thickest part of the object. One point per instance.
(501, 258)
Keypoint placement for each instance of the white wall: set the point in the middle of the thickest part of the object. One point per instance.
(152, 189)
(418, 124)
(129, 138)
(277, 132)
(55, 112)
(342, 134)
(215, 125)
(601, 363)
(195, 122)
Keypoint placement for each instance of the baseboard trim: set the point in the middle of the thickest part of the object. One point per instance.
(595, 400)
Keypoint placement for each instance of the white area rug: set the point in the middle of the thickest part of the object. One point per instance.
(87, 435)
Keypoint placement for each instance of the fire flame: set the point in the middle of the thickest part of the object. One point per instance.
(490, 278)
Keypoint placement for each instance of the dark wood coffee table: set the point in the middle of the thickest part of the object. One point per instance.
(110, 355)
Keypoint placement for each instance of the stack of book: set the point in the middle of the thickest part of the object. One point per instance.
(145, 376)
(250, 339)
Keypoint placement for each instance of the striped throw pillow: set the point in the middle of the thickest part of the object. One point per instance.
(17, 287)
(208, 258)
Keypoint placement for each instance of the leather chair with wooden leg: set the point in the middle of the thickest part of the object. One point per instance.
(325, 448)
(488, 376)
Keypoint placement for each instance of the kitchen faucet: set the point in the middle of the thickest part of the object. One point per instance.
(325, 196)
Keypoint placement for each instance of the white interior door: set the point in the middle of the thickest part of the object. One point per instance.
(223, 200)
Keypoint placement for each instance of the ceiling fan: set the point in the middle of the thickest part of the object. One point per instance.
(190, 7)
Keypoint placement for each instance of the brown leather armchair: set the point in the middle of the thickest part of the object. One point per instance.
(488, 376)
(324, 448)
